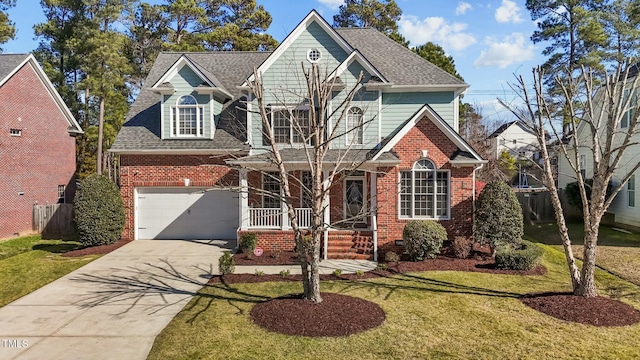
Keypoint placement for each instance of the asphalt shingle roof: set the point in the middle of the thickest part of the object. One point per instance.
(141, 130)
(8, 62)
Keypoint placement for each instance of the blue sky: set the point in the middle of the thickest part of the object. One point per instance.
(489, 40)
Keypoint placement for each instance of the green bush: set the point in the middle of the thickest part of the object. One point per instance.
(498, 216)
(226, 265)
(98, 211)
(423, 239)
(572, 192)
(248, 242)
(523, 256)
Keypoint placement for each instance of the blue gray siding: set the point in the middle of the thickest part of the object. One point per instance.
(398, 107)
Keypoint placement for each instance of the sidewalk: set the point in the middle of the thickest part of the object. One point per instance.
(326, 267)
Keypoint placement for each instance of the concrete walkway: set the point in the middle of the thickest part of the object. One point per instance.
(115, 306)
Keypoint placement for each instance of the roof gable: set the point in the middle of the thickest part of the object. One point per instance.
(11, 64)
(451, 134)
(357, 57)
(312, 17)
(208, 78)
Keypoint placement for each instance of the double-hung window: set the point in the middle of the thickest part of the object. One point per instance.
(271, 190)
(628, 115)
(187, 117)
(631, 191)
(291, 126)
(354, 133)
(424, 192)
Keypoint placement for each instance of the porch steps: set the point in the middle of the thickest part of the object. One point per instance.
(350, 245)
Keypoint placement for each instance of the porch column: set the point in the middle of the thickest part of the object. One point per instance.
(327, 214)
(244, 200)
(374, 212)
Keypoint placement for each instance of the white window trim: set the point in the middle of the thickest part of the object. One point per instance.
(630, 192)
(264, 194)
(362, 178)
(292, 130)
(412, 217)
(199, 114)
(348, 132)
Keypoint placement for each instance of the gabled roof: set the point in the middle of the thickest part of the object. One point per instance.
(205, 75)
(10, 64)
(312, 17)
(504, 128)
(358, 57)
(466, 154)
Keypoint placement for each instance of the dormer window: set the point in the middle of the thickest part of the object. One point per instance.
(187, 118)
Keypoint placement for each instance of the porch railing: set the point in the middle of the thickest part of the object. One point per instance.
(273, 218)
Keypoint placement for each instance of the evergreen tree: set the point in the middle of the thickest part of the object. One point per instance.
(435, 54)
(7, 27)
(382, 15)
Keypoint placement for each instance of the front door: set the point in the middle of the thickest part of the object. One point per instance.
(354, 199)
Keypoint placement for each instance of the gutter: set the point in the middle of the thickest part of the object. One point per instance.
(473, 202)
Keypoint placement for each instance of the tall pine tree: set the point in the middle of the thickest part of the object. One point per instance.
(7, 28)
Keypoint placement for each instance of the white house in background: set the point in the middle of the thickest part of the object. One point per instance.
(625, 208)
(516, 138)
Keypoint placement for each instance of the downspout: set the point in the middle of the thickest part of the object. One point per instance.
(473, 215)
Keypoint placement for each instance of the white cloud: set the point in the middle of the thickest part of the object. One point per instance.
(514, 48)
(462, 8)
(332, 4)
(509, 11)
(451, 36)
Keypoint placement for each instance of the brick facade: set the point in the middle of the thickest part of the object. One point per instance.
(34, 164)
(169, 171)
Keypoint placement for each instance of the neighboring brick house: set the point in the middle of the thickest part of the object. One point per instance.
(194, 125)
(37, 143)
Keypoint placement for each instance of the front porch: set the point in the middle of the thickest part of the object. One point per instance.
(349, 215)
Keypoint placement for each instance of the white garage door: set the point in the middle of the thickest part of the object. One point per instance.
(186, 213)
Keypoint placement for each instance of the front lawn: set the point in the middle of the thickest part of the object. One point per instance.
(28, 263)
(435, 314)
(618, 252)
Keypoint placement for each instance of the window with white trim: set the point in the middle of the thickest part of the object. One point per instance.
(291, 126)
(424, 192)
(306, 182)
(271, 190)
(187, 117)
(625, 122)
(62, 198)
(314, 55)
(354, 134)
(631, 191)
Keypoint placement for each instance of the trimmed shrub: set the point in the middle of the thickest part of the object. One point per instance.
(248, 242)
(98, 211)
(461, 247)
(523, 256)
(391, 256)
(572, 192)
(226, 265)
(498, 216)
(423, 239)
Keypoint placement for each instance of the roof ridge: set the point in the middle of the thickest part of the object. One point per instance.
(215, 52)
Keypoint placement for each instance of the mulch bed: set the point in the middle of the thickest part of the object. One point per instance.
(336, 315)
(267, 258)
(96, 250)
(596, 311)
(252, 278)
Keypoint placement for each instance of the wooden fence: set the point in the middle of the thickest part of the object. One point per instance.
(537, 207)
(53, 220)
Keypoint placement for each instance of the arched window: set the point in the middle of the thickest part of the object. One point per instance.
(354, 122)
(187, 117)
(424, 192)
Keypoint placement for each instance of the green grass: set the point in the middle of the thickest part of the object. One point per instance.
(429, 315)
(618, 252)
(28, 263)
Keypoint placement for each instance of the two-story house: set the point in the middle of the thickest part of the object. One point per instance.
(517, 139)
(37, 143)
(193, 158)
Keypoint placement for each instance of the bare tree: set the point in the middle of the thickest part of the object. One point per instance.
(326, 163)
(603, 123)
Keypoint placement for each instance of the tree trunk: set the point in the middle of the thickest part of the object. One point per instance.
(314, 276)
(100, 131)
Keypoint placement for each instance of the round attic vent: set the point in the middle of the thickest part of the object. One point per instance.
(314, 55)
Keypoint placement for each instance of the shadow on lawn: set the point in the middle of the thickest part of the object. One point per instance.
(57, 248)
(547, 233)
(155, 287)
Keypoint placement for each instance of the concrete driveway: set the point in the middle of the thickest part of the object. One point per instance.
(112, 308)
